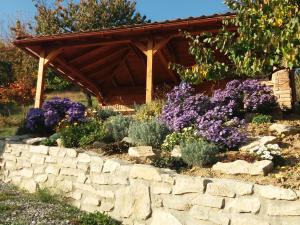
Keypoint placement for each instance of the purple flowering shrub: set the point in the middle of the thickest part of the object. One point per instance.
(246, 96)
(57, 109)
(217, 119)
(52, 112)
(183, 108)
(35, 121)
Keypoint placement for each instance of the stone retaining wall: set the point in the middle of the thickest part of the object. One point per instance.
(141, 194)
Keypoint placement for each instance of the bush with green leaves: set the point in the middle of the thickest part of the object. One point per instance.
(149, 132)
(117, 127)
(149, 111)
(198, 152)
(261, 118)
(176, 138)
(84, 134)
(97, 218)
(104, 114)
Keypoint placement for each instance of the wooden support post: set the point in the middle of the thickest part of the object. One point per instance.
(149, 74)
(40, 83)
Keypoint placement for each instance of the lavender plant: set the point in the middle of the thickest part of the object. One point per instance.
(35, 121)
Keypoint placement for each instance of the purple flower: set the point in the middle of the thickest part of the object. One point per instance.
(35, 120)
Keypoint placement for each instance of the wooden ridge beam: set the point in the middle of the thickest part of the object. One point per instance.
(102, 61)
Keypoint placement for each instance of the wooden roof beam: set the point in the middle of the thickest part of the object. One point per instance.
(165, 63)
(87, 55)
(129, 72)
(81, 77)
(52, 55)
(104, 60)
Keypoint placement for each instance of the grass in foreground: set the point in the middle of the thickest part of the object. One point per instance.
(20, 208)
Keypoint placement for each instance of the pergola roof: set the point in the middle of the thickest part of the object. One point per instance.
(112, 63)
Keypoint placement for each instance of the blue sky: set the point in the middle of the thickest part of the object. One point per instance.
(156, 10)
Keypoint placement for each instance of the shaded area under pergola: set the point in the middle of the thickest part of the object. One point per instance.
(119, 65)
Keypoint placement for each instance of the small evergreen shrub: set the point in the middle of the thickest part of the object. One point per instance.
(176, 138)
(44, 195)
(149, 111)
(104, 114)
(260, 118)
(84, 134)
(150, 133)
(97, 218)
(51, 141)
(199, 152)
(117, 127)
(172, 163)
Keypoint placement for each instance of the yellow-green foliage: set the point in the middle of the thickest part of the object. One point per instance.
(149, 111)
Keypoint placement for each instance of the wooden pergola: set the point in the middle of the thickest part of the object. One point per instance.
(119, 65)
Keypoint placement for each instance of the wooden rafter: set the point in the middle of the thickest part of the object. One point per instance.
(52, 55)
(139, 55)
(112, 74)
(87, 55)
(165, 64)
(102, 61)
(81, 77)
(129, 72)
(104, 71)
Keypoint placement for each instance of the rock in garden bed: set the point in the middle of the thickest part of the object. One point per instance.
(140, 151)
(283, 129)
(263, 167)
(34, 141)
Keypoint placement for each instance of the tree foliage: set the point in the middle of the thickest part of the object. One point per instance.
(267, 38)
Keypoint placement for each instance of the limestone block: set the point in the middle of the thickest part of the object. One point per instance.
(51, 159)
(161, 188)
(245, 205)
(91, 200)
(84, 158)
(40, 149)
(178, 202)
(41, 178)
(69, 163)
(70, 172)
(185, 184)
(82, 178)
(209, 201)
(124, 203)
(96, 167)
(107, 205)
(39, 170)
(200, 212)
(90, 208)
(283, 129)
(54, 151)
(145, 172)
(33, 141)
(248, 220)
(262, 167)
(272, 192)
(26, 172)
(76, 195)
(84, 167)
(29, 185)
(164, 218)
(140, 151)
(37, 159)
(72, 153)
(219, 218)
(229, 188)
(65, 185)
(284, 208)
(9, 157)
(10, 165)
(110, 165)
(108, 179)
(52, 170)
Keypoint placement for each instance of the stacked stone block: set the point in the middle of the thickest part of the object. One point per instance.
(145, 195)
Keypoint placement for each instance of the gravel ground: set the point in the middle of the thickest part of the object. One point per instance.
(20, 208)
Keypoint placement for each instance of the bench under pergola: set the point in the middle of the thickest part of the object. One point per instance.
(119, 65)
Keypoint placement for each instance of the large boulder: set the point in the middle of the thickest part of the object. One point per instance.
(259, 142)
(283, 129)
(242, 167)
(140, 151)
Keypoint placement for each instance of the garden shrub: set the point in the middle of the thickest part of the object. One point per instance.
(149, 111)
(183, 107)
(104, 114)
(97, 218)
(261, 118)
(84, 134)
(117, 127)
(176, 138)
(35, 121)
(151, 133)
(198, 152)
(45, 120)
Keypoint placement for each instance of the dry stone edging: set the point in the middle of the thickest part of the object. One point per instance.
(142, 194)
